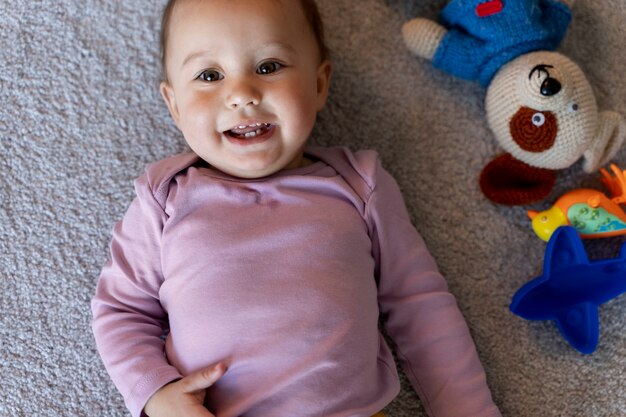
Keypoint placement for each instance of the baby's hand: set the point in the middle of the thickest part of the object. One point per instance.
(185, 397)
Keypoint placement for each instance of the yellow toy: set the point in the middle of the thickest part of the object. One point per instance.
(590, 212)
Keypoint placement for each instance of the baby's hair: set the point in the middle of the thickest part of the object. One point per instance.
(309, 7)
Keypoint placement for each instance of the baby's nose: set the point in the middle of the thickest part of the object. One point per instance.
(239, 101)
(243, 94)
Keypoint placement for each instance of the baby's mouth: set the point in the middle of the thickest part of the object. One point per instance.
(249, 131)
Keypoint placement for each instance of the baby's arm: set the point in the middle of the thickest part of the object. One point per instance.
(128, 319)
(184, 398)
(432, 338)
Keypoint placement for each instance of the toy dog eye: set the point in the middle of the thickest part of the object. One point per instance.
(550, 87)
(538, 119)
(574, 107)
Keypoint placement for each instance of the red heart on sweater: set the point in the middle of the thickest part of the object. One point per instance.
(489, 7)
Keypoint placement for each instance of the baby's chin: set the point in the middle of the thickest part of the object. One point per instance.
(262, 164)
(249, 170)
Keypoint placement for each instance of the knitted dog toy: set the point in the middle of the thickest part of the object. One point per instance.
(539, 104)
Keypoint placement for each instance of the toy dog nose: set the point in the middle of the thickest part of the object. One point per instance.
(550, 87)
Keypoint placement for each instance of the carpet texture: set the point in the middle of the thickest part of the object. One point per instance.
(81, 116)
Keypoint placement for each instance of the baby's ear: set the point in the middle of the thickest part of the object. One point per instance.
(324, 74)
(170, 99)
(610, 136)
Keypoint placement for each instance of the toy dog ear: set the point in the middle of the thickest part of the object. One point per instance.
(610, 136)
(509, 181)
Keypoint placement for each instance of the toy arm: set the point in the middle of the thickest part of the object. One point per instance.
(423, 37)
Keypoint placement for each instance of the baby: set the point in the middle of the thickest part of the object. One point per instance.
(247, 278)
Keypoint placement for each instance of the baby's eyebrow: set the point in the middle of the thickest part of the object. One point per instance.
(275, 49)
(269, 47)
(279, 45)
(194, 56)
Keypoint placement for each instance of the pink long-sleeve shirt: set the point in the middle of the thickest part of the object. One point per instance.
(282, 278)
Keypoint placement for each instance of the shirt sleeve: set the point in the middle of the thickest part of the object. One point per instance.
(128, 320)
(432, 339)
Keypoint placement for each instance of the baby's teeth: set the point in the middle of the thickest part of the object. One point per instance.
(253, 125)
(253, 134)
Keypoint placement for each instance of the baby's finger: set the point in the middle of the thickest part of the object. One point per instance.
(202, 379)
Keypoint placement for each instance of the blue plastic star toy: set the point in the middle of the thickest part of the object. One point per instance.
(571, 289)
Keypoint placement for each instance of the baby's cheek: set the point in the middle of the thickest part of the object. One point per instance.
(200, 117)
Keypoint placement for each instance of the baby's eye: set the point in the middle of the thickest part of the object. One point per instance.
(209, 76)
(268, 67)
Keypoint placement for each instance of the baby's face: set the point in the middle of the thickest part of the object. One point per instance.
(245, 82)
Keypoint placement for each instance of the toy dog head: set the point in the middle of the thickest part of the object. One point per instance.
(539, 104)
(542, 111)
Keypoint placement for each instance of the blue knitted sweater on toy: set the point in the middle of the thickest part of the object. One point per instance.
(477, 44)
